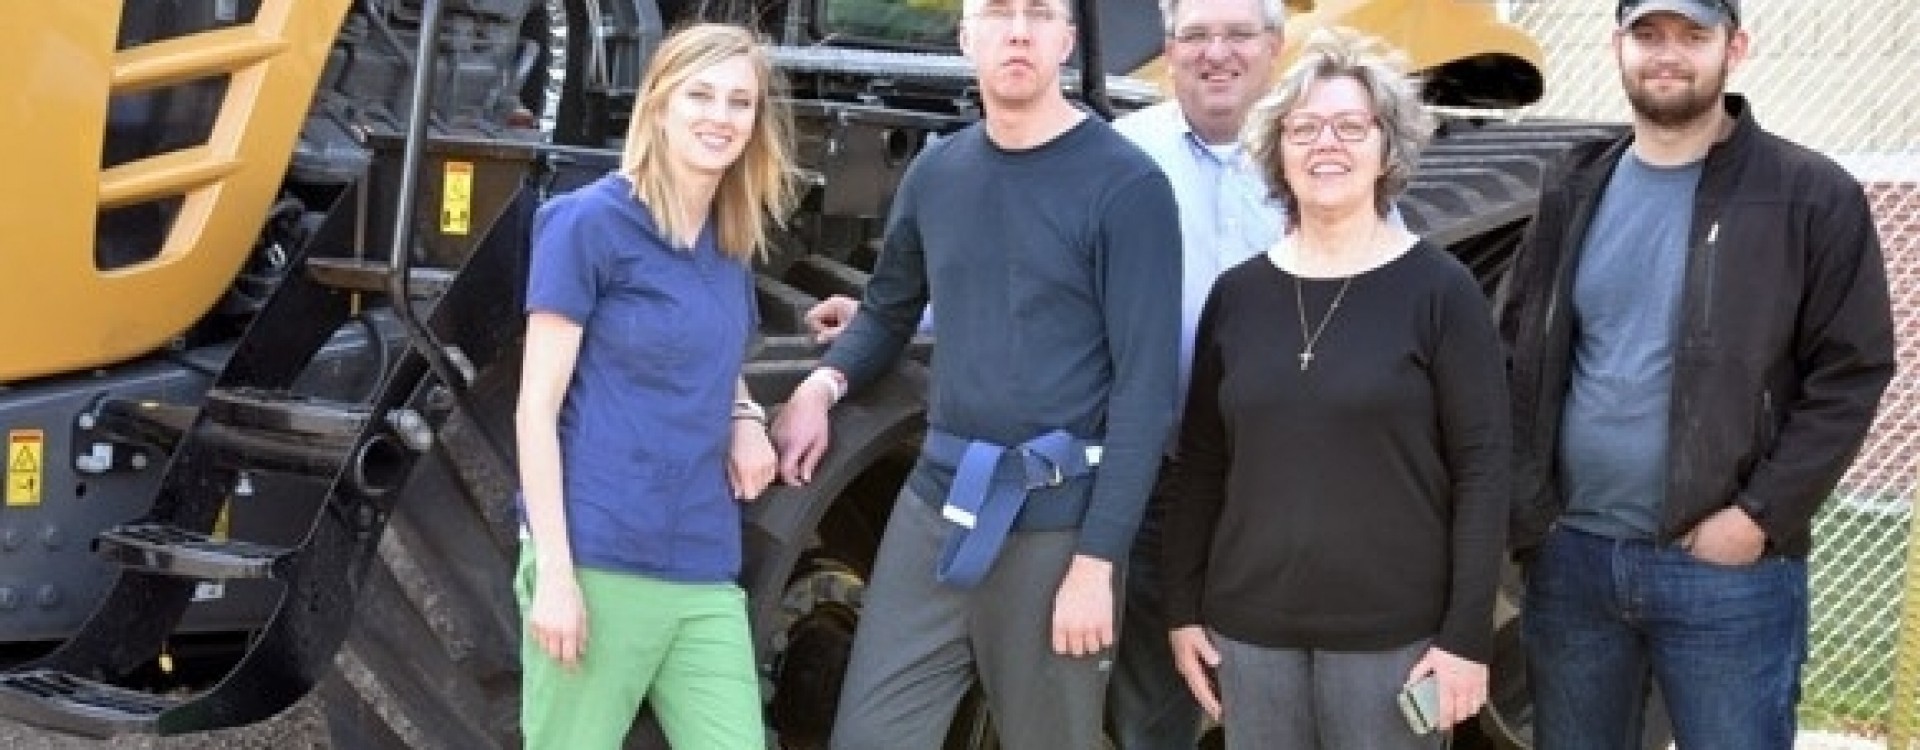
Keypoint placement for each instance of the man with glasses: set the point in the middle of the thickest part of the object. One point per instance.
(1052, 246)
(1700, 336)
(1220, 55)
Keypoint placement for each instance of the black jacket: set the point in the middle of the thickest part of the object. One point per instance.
(1785, 343)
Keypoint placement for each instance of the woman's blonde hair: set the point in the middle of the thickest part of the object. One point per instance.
(1405, 124)
(756, 191)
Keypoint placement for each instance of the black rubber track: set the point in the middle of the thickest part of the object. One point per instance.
(433, 658)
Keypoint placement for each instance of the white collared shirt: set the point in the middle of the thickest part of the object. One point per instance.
(1226, 215)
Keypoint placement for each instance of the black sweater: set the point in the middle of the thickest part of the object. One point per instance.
(1356, 505)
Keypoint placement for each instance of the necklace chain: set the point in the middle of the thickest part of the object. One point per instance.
(1310, 338)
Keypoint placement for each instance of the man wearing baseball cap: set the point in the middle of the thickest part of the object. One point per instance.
(1706, 14)
(1700, 335)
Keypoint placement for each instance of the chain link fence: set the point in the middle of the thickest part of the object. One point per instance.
(1842, 78)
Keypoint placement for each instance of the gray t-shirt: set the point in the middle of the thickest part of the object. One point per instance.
(1626, 312)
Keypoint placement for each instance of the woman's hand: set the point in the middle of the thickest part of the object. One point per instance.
(558, 617)
(751, 462)
(1462, 684)
(1196, 658)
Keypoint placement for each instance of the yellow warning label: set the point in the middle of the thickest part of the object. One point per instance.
(223, 524)
(26, 449)
(456, 198)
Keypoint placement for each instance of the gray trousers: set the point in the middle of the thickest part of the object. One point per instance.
(1298, 699)
(921, 643)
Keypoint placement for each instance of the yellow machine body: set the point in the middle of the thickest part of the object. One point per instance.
(1434, 34)
(59, 311)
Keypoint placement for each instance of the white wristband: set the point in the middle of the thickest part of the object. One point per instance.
(835, 391)
(749, 409)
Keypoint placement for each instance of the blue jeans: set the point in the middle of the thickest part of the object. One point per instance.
(1724, 644)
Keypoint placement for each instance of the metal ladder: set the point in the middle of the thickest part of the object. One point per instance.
(355, 456)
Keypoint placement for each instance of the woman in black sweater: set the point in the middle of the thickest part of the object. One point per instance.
(1343, 453)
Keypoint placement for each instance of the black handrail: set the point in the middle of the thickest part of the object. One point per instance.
(1093, 63)
(400, 259)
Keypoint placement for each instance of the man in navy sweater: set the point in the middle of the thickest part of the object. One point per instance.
(1053, 247)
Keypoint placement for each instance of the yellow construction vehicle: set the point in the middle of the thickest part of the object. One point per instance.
(260, 271)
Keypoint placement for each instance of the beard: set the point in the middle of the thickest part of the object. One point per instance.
(1676, 110)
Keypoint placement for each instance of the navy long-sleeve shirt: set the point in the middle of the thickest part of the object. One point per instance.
(1057, 275)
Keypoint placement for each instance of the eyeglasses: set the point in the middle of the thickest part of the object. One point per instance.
(1348, 127)
(1237, 36)
(1038, 13)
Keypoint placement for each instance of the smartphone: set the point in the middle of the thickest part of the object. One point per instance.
(1420, 704)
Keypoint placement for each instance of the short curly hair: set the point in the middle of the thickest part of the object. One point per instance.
(1405, 124)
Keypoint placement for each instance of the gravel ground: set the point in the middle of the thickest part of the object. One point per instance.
(300, 728)
(1832, 741)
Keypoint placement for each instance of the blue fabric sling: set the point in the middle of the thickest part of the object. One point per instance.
(990, 486)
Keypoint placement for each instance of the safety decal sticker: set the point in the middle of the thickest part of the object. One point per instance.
(456, 198)
(26, 453)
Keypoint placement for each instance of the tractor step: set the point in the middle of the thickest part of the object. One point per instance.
(274, 430)
(370, 276)
(60, 701)
(289, 452)
(278, 411)
(150, 423)
(158, 548)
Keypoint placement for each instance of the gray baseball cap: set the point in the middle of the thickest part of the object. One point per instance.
(1703, 12)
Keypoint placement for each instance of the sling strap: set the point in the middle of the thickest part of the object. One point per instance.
(990, 486)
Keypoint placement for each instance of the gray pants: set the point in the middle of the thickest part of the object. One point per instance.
(920, 644)
(1308, 698)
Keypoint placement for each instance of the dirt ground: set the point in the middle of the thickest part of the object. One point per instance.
(300, 728)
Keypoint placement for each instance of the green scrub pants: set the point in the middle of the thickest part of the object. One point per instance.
(685, 648)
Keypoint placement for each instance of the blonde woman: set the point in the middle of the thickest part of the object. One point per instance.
(1344, 446)
(637, 437)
